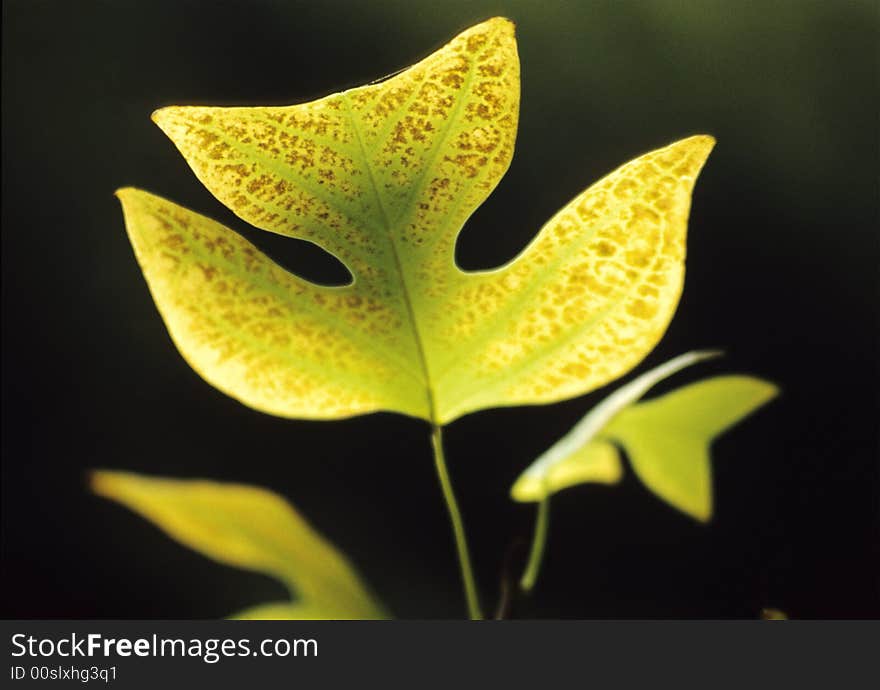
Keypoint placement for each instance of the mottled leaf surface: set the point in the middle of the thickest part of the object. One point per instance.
(251, 528)
(383, 177)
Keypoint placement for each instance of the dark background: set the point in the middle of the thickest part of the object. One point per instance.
(782, 273)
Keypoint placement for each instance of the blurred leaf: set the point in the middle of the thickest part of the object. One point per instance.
(283, 611)
(251, 528)
(383, 177)
(667, 439)
(595, 461)
(773, 615)
(577, 457)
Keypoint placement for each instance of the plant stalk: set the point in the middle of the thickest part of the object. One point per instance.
(539, 542)
(464, 558)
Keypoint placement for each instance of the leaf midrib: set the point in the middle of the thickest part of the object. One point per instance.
(398, 267)
(437, 148)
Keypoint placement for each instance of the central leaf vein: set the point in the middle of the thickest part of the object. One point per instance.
(399, 268)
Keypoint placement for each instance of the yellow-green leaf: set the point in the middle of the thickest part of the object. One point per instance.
(578, 457)
(251, 528)
(771, 614)
(383, 177)
(284, 611)
(595, 461)
(668, 439)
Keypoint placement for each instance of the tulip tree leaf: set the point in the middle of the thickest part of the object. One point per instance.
(383, 177)
(251, 528)
(578, 457)
(668, 438)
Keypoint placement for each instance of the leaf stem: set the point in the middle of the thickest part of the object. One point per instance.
(539, 541)
(464, 558)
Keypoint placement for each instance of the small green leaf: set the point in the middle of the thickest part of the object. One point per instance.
(251, 528)
(667, 439)
(577, 457)
(595, 461)
(383, 177)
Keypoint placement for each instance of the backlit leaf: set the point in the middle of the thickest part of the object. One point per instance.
(284, 611)
(383, 177)
(667, 439)
(770, 614)
(252, 528)
(595, 461)
(578, 457)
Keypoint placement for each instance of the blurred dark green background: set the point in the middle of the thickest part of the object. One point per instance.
(782, 272)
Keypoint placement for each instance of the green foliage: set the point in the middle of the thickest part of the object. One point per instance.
(667, 439)
(383, 177)
(248, 527)
(580, 456)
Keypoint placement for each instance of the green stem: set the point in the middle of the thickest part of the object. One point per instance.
(539, 541)
(464, 558)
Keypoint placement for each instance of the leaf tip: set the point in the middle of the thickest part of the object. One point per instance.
(166, 118)
(703, 142)
(520, 493)
(132, 201)
(695, 356)
(703, 514)
(160, 115)
(124, 193)
(699, 507)
(502, 24)
(763, 391)
(102, 482)
(770, 390)
(695, 151)
(129, 196)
